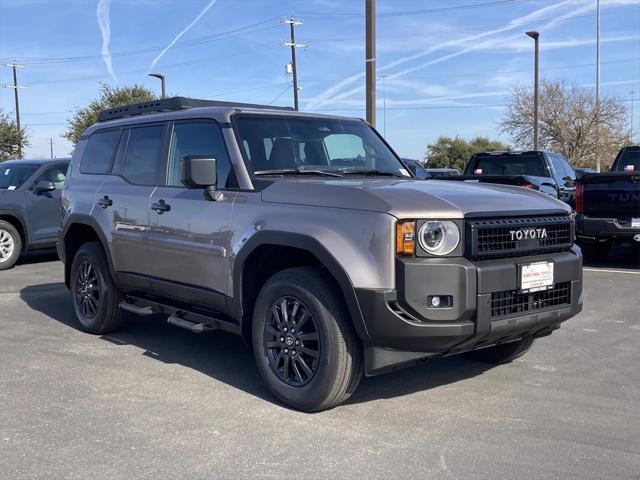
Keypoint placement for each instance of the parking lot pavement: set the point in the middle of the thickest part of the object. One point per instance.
(153, 401)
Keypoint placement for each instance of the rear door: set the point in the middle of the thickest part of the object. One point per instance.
(189, 238)
(123, 200)
(43, 209)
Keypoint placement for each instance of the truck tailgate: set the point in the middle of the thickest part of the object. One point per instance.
(612, 195)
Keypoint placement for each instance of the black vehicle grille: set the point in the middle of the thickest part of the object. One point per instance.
(512, 302)
(513, 237)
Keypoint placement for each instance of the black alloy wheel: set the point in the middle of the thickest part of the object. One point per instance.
(292, 341)
(87, 289)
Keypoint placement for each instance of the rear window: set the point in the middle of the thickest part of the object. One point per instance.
(509, 165)
(99, 152)
(142, 162)
(628, 162)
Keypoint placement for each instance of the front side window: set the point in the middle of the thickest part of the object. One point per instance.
(143, 158)
(56, 174)
(99, 152)
(295, 144)
(198, 138)
(13, 176)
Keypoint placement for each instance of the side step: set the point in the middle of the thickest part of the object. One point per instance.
(193, 326)
(196, 322)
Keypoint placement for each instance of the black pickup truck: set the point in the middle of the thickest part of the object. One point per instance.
(608, 205)
(547, 172)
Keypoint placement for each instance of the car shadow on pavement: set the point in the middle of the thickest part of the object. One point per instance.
(38, 256)
(226, 357)
(620, 256)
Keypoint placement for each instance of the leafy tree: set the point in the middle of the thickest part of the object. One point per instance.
(569, 122)
(110, 97)
(455, 152)
(12, 140)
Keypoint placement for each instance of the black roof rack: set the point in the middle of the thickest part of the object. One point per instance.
(174, 103)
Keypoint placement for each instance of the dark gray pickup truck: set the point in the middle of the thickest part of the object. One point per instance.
(608, 205)
(29, 206)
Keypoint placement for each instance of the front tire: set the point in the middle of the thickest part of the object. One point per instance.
(505, 353)
(10, 245)
(305, 347)
(95, 297)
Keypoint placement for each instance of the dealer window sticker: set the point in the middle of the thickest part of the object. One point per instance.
(629, 168)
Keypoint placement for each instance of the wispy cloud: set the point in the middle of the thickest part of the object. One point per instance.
(186, 29)
(102, 13)
(490, 39)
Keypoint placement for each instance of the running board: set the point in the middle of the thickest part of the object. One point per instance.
(193, 326)
(130, 307)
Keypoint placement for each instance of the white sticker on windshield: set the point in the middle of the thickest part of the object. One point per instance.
(11, 187)
(404, 172)
(7, 172)
(477, 171)
(629, 168)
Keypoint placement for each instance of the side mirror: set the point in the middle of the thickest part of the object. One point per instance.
(199, 171)
(43, 187)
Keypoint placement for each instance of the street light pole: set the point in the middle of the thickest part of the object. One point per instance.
(162, 81)
(536, 79)
(370, 60)
(598, 86)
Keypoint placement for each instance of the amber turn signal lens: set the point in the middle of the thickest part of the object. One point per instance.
(406, 238)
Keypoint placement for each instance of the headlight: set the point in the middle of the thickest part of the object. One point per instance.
(439, 237)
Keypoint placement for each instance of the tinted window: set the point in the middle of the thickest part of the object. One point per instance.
(122, 148)
(198, 138)
(558, 168)
(13, 175)
(99, 152)
(56, 174)
(142, 161)
(629, 161)
(568, 169)
(509, 165)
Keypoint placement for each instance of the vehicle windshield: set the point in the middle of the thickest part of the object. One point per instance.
(629, 161)
(288, 144)
(509, 165)
(13, 175)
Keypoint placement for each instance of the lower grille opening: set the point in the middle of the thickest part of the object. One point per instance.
(512, 302)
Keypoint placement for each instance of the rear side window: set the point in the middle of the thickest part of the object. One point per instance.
(99, 152)
(143, 160)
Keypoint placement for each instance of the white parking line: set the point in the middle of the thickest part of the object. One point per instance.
(586, 269)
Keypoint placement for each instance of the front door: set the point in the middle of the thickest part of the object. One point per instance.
(190, 234)
(43, 208)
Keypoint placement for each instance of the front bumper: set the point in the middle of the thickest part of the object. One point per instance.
(403, 329)
(588, 228)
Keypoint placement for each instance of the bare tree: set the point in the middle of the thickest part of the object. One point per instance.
(570, 122)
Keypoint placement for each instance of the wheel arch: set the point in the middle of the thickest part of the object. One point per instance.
(300, 250)
(18, 222)
(78, 230)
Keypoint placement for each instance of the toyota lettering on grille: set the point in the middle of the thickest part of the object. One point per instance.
(528, 234)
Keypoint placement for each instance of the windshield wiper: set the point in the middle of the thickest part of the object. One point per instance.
(298, 171)
(373, 172)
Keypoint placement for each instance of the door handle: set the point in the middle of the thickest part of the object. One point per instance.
(105, 202)
(161, 207)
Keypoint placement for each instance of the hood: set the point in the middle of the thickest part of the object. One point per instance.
(414, 198)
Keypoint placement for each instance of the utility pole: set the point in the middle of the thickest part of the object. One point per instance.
(15, 87)
(598, 86)
(51, 146)
(162, 82)
(384, 105)
(536, 80)
(370, 60)
(292, 43)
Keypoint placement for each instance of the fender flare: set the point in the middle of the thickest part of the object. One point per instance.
(86, 220)
(23, 225)
(314, 247)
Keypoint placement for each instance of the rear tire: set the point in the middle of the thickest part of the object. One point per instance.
(10, 245)
(305, 346)
(95, 297)
(504, 353)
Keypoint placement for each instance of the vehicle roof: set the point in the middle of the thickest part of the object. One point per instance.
(187, 108)
(442, 169)
(35, 161)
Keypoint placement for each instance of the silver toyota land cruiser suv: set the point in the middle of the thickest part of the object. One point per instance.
(306, 235)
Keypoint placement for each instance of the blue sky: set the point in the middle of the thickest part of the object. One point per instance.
(449, 64)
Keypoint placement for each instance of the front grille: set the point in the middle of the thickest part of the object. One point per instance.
(512, 302)
(513, 237)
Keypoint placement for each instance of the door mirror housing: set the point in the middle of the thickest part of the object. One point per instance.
(43, 187)
(198, 171)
